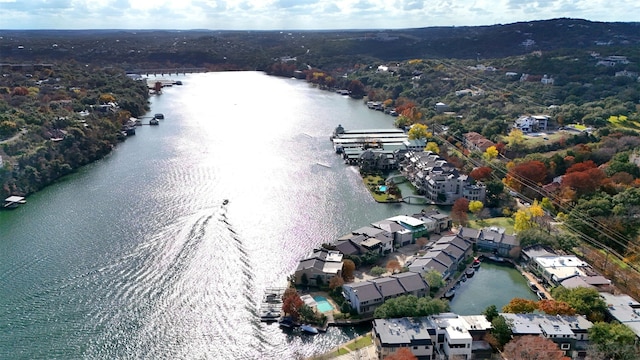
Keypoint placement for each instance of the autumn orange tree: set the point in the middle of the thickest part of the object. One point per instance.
(525, 174)
(584, 178)
(481, 173)
(336, 282)
(348, 269)
(553, 307)
(393, 265)
(520, 306)
(292, 303)
(531, 347)
(402, 354)
(459, 211)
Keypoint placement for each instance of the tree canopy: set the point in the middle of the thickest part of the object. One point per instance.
(410, 306)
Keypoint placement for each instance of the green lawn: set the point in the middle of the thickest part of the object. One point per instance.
(503, 222)
(372, 182)
(360, 343)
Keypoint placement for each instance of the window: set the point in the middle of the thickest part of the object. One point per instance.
(565, 346)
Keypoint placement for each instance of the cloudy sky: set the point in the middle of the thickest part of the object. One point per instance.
(298, 14)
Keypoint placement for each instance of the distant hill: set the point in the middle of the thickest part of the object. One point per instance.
(331, 49)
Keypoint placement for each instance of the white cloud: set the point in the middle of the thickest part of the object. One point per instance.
(298, 14)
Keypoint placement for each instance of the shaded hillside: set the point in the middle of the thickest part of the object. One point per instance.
(330, 49)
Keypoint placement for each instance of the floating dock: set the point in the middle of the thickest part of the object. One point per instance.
(271, 305)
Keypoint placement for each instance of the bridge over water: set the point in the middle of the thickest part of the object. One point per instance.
(167, 71)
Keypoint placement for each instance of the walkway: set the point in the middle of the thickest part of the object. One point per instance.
(535, 281)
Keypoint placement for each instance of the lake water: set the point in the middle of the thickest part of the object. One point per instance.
(492, 284)
(135, 256)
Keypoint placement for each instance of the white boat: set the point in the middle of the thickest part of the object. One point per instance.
(308, 329)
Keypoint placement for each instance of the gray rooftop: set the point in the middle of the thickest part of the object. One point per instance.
(403, 331)
(411, 281)
(366, 291)
(389, 286)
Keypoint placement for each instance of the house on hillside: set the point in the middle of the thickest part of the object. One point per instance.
(476, 142)
(531, 123)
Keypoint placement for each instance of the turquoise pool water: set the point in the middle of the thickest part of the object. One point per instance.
(323, 304)
(382, 188)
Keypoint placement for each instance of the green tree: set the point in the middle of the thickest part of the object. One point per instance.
(491, 312)
(377, 270)
(410, 306)
(614, 341)
(586, 301)
(500, 332)
(434, 279)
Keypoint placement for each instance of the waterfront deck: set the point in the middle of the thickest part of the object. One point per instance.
(271, 306)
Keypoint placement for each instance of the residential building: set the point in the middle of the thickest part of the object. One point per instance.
(623, 309)
(366, 296)
(492, 239)
(555, 269)
(416, 334)
(441, 107)
(443, 336)
(443, 256)
(437, 180)
(319, 267)
(495, 240)
(569, 332)
(404, 229)
(476, 142)
(547, 80)
(531, 123)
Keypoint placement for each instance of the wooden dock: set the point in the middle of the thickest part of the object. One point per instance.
(271, 305)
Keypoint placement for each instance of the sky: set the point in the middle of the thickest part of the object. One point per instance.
(299, 14)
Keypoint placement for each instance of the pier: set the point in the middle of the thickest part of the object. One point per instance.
(271, 305)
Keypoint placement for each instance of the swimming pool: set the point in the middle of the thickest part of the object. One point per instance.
(382, 188)
(323, 304)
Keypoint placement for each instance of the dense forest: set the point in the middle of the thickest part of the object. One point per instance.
(56, 119)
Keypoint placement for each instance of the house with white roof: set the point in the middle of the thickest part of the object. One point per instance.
(555, 269)
(403, 229)
(531, 123)
(571, 333)
(623, 309)
(442, 336)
